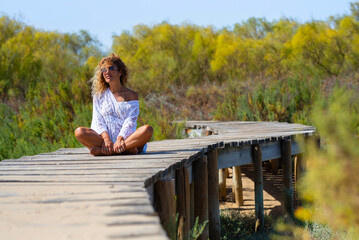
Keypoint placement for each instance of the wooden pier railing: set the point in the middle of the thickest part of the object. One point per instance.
(71, 194)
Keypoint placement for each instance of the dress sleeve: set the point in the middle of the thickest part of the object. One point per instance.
(130, 122)
(98, 122)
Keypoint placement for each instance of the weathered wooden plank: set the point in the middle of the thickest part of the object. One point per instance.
(88, 172)
(65, 159)
(287, 177)
(88, 158)
(274, 165)
(237, 186)
(237, 156)
(33, 217)
(222, 184)
(165, 204)
(200, 175)
(213, 195)
(234, 156)
(258, 187)
(102, 191)
(80, 230)
(119, 165)
(192, 219)
(183, 203)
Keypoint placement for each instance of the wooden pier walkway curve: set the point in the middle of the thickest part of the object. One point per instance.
(69, 194)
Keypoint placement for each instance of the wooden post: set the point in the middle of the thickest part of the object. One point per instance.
(165, 204)
(300, 166)
(213, 196)
(258, 187)
(274, 165)
(183, 203)
(191, 204)
(222, 184)
(200, 177)
(237, 186)
(287, 177)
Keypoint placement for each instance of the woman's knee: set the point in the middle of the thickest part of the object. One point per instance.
(80, 132)
(148, 130)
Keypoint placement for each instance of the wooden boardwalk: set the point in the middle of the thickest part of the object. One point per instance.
(69, 194)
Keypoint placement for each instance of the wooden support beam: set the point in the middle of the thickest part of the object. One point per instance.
(222, 184)
(287, 177)
(300, 167)
(274, 165)
(183, 203)
(165, 204)
(200, 177)
(191, 204)
(237, 186)
(258, 187)
(213, 196)
(299, 170)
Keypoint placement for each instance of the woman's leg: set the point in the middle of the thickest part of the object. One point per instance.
(88, 137)
(94, 141)
(138, 139)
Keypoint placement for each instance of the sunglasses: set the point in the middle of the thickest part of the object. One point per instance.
(112, 68)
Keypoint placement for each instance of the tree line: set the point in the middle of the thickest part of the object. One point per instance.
(257, 70)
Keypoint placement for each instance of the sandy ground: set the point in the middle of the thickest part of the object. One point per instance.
(272, 191)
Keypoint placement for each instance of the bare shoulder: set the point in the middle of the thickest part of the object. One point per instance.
(131, 95)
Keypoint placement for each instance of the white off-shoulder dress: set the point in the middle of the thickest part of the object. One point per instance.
(116, 118)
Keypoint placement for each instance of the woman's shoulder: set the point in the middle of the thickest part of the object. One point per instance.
(131, 95)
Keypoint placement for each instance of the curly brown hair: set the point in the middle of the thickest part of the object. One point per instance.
(99, 85)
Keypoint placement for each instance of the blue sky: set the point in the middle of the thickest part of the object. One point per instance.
(103, 19)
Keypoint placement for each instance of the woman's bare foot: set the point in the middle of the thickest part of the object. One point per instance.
(132, 151)
(96, 151)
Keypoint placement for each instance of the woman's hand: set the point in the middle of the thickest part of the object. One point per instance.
(119, 145)
(107, 147)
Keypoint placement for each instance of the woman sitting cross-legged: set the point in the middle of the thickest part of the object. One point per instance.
(115, 112)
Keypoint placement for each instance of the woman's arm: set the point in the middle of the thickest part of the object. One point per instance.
(99, 125)
(128, 125)
(127, 128)
(130, 122)
(98, 122)
(107, 146)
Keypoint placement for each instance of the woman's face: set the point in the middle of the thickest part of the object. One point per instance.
(110, 73)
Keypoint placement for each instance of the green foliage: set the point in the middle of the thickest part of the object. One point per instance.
(281, 100)
(329, 188)
(172, 228)
(238, 225)
(45, 93)
(260, 70)
(43, 87)
(8, 131)
(332, 200)
(161, 120)
(273, 71)
(197, 229)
